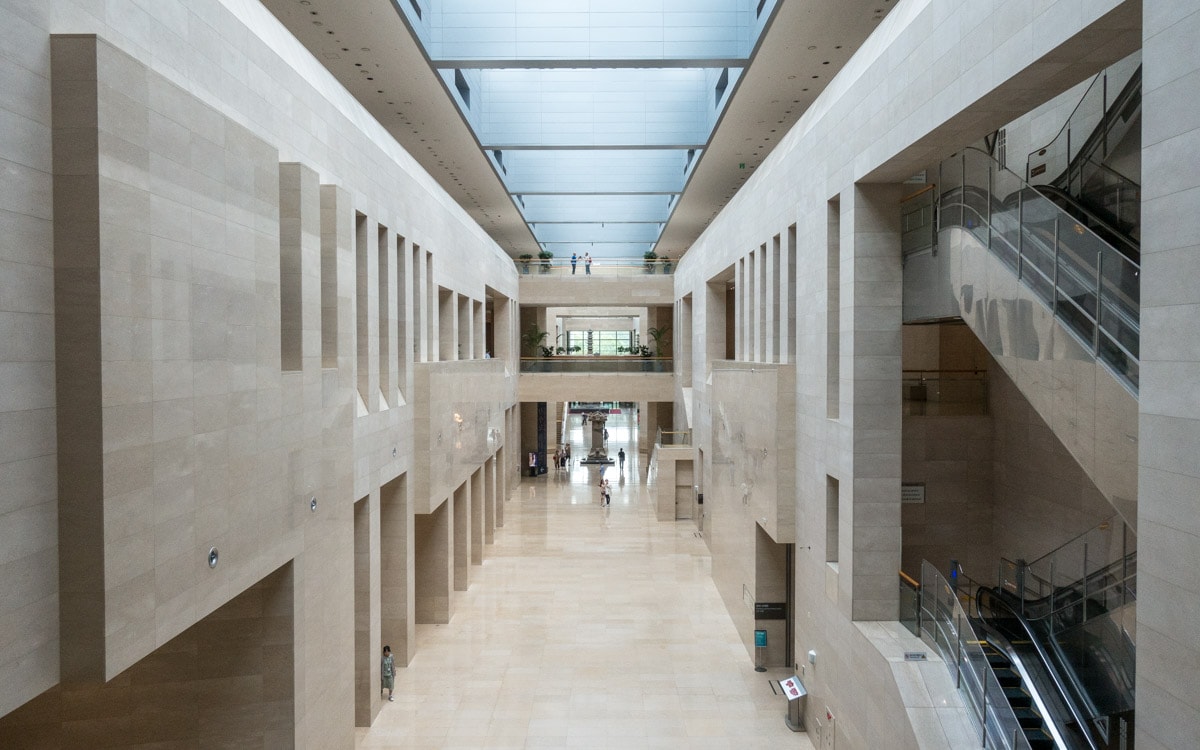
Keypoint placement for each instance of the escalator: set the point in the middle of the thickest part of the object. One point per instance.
(1065, 652)
(1019, 695)
(1079, 163)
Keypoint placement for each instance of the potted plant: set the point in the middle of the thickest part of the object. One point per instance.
(666, 263)
(525, 258)
(662, 338)
(546, 257)
(533, 339)
(650, 257)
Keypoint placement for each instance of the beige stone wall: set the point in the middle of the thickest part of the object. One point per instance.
(1168, 627)
(226, 681)
(834, 178)
(186, 249)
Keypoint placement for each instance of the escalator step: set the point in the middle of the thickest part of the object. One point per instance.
(1039, 739)
(1017, 697)
(1008, 678)
(998, 661)
(1028, 718)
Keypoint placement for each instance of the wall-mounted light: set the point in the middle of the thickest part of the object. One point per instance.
(213, 556)
(312, 504)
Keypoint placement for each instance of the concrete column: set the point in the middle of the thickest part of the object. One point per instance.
(421, 304)
(503, 322)
(479, 322)
(478, 502)
(490, 481)
(397, 570)
(366, 611)
(1168, 643)
(739, 313)
(447, 325)
(432, 544)
(760, 303)
(465, 335)
(461, 544)
(871, 315)
(774, 347)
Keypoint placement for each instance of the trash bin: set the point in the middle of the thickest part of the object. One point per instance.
(797, 698)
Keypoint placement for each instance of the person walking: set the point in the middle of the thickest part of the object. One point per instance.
(621, 459)
(587, 264)
(605, 496)
(574, 260)
(387, 672)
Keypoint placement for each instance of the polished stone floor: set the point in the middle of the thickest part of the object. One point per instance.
(585, 627)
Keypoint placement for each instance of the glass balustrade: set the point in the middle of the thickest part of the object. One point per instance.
(590, 363)
(1089, 285)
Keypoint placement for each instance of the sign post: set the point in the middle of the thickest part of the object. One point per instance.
(760, 650)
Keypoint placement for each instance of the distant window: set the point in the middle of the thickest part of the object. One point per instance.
(1002, 148)
(691, 154)
(498, 155)
(464, 90)
(761, 4)
(722, 84)
(417, 8)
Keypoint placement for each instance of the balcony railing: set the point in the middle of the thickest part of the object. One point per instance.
(600, 267)
(673, 437)
(942, 393)
(594, 363)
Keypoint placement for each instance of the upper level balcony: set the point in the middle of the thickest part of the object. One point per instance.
(598, 267)
(613, 282)
(596, 363)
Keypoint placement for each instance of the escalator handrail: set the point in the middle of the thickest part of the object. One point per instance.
(1121, 313)
(1118, 102)
(1087, 213)
(1103, 525)
(1104, 300)
(1068, 697)
(1102, 572)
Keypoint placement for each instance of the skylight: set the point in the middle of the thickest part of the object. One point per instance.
(594, 114)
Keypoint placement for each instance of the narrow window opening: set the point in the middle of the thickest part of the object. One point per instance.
(722, 84)
(832, 509)
(464, 90)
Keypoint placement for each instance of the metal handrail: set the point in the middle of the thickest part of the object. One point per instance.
(1067, 698)
(998, 725)
(1101, 332)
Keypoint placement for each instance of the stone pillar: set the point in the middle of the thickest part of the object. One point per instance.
(397, 574)
(477, 521)
(461, 545)
(431, 534)
(490, 481)
(872, 316)
(1168, 643)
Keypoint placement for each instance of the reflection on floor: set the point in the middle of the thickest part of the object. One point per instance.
(585, 628)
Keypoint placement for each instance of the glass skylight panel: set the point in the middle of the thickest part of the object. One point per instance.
(583, 107)
(540, 30)
(603, 233)
(593, 113)
(595, 171)
(595, 208)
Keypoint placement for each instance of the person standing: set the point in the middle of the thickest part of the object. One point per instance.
(587, 264)
(387, 672)
(574, 260)
(605, 497)
(621, 459)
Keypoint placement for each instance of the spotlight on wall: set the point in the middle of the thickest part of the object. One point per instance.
(213, 555)
(812, 658)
